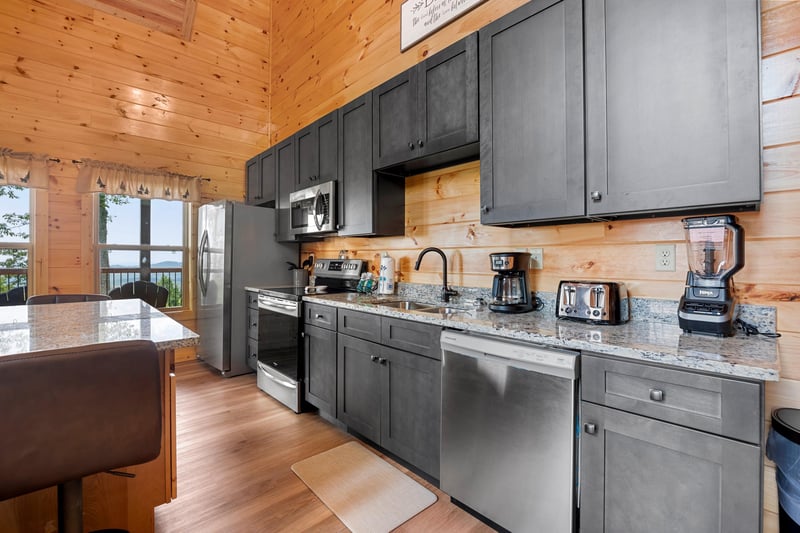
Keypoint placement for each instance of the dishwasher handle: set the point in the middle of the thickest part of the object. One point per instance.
(543, 360)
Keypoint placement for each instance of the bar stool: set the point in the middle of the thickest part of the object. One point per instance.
(74, 412)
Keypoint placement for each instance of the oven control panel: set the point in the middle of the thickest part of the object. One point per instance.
(339, 268)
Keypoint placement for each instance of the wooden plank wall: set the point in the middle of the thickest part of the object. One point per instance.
(79, 83)
(327, 53)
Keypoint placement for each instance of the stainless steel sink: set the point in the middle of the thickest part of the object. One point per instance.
(406, 305)
(446, 311)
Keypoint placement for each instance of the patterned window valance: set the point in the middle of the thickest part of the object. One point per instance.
(113, 178)
(23, 169)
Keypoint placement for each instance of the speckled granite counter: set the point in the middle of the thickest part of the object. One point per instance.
(747, 357)
(32, 328)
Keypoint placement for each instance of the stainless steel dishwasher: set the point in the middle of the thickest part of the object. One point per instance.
(508, 431)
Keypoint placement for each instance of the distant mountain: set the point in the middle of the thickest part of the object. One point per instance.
(162, 264)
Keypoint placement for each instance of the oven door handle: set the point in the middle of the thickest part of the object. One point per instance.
(276, 305)
(265, 370)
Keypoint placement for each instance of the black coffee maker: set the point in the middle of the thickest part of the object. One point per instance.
(511, 289)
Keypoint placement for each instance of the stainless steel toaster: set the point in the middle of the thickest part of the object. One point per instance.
(599, 302)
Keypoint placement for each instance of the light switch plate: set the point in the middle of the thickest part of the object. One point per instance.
(537, 259)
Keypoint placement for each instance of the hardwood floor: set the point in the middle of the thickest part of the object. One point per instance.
(235, 447)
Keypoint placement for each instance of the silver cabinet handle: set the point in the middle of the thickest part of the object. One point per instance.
(589, 428)
(484, 209)
(596, 196)
(373, 358)
(319, 317)
(657, 395)
(410, 146)
(382, 360)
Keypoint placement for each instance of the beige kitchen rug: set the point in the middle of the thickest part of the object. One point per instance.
(365, 492)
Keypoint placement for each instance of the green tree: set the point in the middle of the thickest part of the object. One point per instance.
(175, 293)
(16, 226)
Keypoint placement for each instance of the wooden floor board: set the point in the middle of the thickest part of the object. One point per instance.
(235, 447)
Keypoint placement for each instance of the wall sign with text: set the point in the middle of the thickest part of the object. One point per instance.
(420, 18)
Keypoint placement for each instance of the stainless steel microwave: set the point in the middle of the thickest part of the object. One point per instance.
(313, 210)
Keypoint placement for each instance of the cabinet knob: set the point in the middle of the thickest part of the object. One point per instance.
(589, 428)
(657, 395)
(373, 358)
(484, 209)
(419, 143)
(382, 360)
(319, 317)
(410, 146)
(596, 196)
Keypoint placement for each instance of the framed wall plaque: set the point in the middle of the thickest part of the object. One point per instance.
(420, 18)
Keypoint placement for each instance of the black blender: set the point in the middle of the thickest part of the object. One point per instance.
(715, 247)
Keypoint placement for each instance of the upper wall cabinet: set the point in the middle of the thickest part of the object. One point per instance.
(369, 203)
(531, 86)
(285, 179)
(672, 105)
(429, 110)
(316, 148)
(260, 172)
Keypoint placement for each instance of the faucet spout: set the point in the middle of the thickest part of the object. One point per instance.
(446, 291)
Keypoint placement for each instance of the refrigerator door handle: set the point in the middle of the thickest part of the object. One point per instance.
(202, 275)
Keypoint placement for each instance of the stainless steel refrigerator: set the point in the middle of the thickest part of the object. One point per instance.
(236, 248)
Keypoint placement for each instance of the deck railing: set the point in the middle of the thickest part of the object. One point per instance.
(11, 278)
(114, 277)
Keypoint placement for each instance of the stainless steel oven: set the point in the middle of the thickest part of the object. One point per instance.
(313, 210)
(279, 369)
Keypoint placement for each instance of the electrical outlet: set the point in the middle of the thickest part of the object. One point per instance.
(537, 259)
(665, 257)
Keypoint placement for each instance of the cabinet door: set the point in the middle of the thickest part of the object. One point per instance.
(394, 120)
(356, 186)
(320, 371)
(253, 176)
(531, 114)
(672, 105)
(285, 175)
(266, 162)
(359, 386)
(411, 408)
(641, 474)
(306, 165)
(316, 150)
(447, 97)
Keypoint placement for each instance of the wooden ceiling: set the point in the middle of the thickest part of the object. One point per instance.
(173, 17)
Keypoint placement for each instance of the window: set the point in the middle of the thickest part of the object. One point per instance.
(15, 243)
(143, 240)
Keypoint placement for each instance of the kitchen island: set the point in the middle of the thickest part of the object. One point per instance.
(109, 501)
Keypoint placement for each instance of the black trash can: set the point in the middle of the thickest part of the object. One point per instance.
(783, 448)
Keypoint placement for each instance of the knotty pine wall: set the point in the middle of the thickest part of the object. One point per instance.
(327, 53)
(78, 83)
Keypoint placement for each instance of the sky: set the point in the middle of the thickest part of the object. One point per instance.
(166, 226)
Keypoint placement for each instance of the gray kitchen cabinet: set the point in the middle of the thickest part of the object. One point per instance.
(256, 330)
(316, 152)
(531, 114)
(319, 338)
(672, 105)
(370, 203)
(260, 172)
(285, 185)
(429, 110)
(320, 368)
(386, 393)
(654, 450)
(359, 386)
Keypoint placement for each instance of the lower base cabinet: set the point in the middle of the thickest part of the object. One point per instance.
(668, 450)
(391, 397)
(320, 368)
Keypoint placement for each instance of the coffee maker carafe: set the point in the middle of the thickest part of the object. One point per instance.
(511, 288)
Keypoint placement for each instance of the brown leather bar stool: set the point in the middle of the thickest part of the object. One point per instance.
(75, 412)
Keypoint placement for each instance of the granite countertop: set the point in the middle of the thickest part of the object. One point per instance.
(31, 328)
(752, 357)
